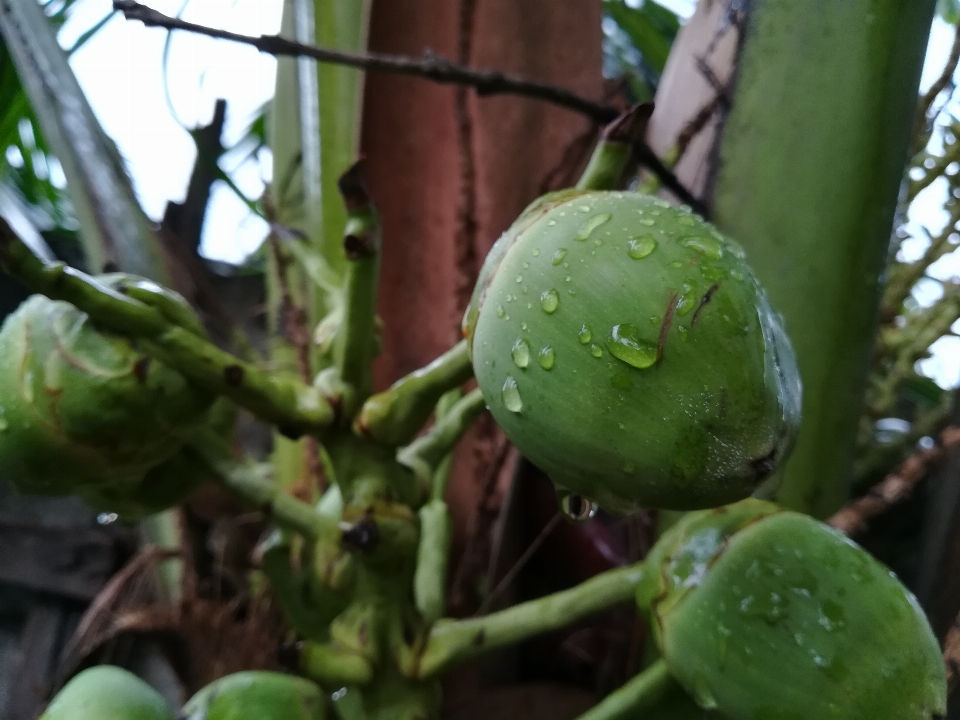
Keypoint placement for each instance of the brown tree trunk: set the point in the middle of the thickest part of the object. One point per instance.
(450, 171)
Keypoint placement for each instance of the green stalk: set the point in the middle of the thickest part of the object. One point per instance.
(332, 666)
(425, 454)
(454, 642)
(361, 244)
(811, 162)
(295, 406)
(248, 481)
(396, 415)
(640, 693)
(615, 149)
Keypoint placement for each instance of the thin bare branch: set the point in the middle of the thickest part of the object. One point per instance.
(921, 119)
(429, 66)
(896, 487)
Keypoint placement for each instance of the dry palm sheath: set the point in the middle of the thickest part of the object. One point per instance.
(622, 344)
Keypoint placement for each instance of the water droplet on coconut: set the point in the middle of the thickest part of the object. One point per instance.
(710, 248)
(546, 358)
(550, 301)
(521, 353)
(592, 224)
(625, 346)
(511, 395)
(641, 247)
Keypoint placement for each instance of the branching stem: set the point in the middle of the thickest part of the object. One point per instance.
(295, 407)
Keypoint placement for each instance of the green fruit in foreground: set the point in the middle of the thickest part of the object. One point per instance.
(257, 695)
(766, 614)
(84, 410)
(626, 348)
(105, 692)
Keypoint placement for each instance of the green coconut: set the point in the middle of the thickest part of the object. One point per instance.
(83, 410)
(626, 348)
(765, 614)
(257, 695)
(106, 692)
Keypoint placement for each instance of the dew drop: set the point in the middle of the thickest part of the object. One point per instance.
(521, 353)
(592, 224)
(585, 335)
(736, 275)
(500, 311)
(546, 358)
(596, 351)
(559, 255)
(641, 247)
(511, 395)
(536, 252)
(687, 301)
(519, 279)
(577, 507)
(688, 221)
(550, 301)
(523, 326)
(551, 223)
(648, 221)
(584, 208)
(708, 246)
(676, 264)
(526, 265)
(625, 346)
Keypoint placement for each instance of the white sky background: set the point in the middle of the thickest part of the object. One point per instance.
(121, 70)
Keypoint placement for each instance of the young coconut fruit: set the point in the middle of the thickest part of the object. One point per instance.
(625, 347)
(766, 614)
(85, 410)
(257, 695)
(107, 692)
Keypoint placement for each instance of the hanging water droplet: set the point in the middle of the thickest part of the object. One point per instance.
(596, 351)
(500, 311)
(592, 224)
(577, 507)
(559, 255)
(511, 395)
(550, 301)
(521, 353)
(641, 247)
(625, 346)
(546, 358)
(585, 335)
(710, 248)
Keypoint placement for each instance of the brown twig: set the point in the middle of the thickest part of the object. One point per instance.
(429, 66)
(894, 488)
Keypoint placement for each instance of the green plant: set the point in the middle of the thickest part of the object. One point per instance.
(361, 574)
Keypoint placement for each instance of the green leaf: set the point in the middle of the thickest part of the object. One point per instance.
(949, 10)
(650, 27)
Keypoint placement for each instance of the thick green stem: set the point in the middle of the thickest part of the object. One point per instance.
(615, 149)
(332, 666)
(453, 642)
(295, 407)
(394, 416)
(247, 480)
(361, 243)
(430, 578)
(640, 693)
(425, 454)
